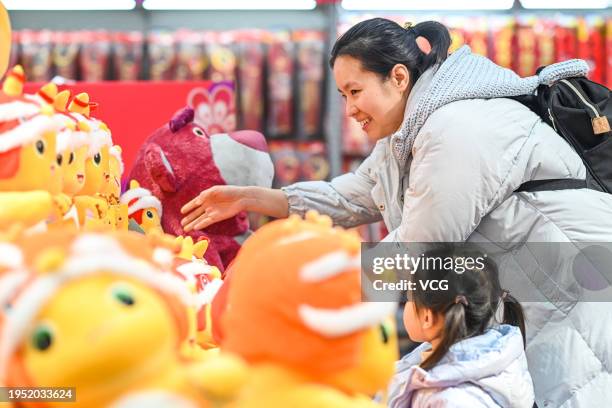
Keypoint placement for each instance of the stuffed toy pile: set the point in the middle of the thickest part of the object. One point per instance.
(101, 291)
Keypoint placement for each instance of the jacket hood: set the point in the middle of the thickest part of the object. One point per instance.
(464, 75)
(494, 361)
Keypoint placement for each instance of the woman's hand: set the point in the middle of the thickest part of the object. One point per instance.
(219, 203)
(215, 204)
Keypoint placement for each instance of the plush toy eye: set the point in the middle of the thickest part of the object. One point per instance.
(59, 159)
(97, 159)
(123, 295)
(42, 338)
(198, 132)
(150, 214)
(40, 146)
(71, 158)
(384, 332)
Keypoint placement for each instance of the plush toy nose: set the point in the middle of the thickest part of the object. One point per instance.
(250, 138)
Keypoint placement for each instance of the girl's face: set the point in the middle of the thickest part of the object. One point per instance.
(377, 105)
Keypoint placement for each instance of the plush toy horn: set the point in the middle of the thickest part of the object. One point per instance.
(181, 119)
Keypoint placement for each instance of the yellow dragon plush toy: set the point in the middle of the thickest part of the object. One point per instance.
(30, 178)
(294, 312)
(144, 209)
(100, 313)
(90, 203)
(204, 281)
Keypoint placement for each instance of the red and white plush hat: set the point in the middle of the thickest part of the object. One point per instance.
(70, 138)
(23, 118)
(140, 198)
(99, 133)
(21, 122)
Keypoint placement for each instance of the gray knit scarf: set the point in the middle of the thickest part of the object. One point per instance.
(468, 76)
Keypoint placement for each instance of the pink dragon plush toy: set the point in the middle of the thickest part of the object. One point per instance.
(180, 159)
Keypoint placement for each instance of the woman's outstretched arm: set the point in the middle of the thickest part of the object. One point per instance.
(222, 202)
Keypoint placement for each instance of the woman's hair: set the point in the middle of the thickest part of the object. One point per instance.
(470, 303)
(379, 44)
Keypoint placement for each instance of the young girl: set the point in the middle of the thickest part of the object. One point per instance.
(451, 151)
(467, 358)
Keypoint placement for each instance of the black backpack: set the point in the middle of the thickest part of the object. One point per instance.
(580, 111)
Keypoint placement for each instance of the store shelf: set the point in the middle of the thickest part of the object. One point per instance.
(143, 20)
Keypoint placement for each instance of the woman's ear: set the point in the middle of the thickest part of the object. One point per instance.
(400, 77)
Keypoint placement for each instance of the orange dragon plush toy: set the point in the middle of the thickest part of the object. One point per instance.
(294, 312)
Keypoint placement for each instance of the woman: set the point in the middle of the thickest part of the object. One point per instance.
(450, 152)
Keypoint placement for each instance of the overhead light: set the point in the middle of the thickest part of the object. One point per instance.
(382, 5)
(229, 4)
(69, 4)
(566, 4)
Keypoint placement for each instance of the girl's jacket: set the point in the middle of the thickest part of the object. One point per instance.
(487, 371)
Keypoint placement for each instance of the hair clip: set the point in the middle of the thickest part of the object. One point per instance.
(461, 299)
(408, 25)
(504, 294)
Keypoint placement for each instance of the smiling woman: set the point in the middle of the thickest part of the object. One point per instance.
(375, 65)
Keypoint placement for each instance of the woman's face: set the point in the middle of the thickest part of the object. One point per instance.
(377, 105)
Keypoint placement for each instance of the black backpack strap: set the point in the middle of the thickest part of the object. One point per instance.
(550, 185)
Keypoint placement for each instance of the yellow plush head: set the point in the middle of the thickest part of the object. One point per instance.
(72, 145)
(96, 170)
(101, 316)
(97, 162)
(28, 159)
(144, 208)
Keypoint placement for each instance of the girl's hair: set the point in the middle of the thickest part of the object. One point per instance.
(471, 301)
(379, 44)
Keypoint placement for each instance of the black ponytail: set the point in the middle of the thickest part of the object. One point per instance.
(379, 44)
(513, 314)
(439, 39)
(454, 330)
